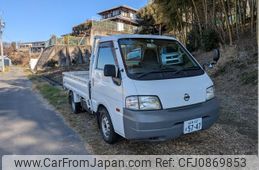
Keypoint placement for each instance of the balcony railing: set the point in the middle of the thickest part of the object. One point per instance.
(113, 27)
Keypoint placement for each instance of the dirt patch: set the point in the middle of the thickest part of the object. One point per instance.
(236, 82)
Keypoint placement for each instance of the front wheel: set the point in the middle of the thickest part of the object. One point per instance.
(106, 127)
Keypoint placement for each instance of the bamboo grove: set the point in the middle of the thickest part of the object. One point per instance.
(227, 18)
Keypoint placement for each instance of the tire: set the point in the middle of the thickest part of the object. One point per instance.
(75, 106)
(106, 127)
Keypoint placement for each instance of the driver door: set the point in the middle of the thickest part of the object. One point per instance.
(106, 90)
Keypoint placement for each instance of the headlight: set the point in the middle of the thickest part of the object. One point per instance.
(143, 103)
(210, 93)
(132, 102)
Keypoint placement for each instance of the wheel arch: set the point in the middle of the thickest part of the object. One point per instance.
(115, 123)
(75, 96)
(105, 107)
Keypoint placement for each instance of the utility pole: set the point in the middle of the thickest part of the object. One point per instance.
(2, 24)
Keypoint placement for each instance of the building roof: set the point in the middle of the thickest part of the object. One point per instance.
(33, 42)
(117, 7)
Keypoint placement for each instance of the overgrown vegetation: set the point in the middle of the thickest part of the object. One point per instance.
(210, 39)
(51, 63)
(17, 57)
(250, 77)
(200, 23)
(236, 82)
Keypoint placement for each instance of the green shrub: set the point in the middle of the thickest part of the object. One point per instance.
(193, 40)
(210, 39)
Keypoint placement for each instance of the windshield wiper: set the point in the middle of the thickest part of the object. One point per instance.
(171, 67)
(146, 73)
(156, 71)
(187, 69)
(191, 68)
(165, 69)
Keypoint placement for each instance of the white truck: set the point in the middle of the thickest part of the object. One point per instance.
(145, 87)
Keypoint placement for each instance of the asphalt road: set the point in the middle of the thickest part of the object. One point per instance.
(28, 125)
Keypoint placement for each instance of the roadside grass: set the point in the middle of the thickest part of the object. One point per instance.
(7, 69)
(55, 96)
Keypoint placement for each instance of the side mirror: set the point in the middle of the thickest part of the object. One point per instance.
(109, 70)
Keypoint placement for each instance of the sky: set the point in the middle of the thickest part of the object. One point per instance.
(37, 20)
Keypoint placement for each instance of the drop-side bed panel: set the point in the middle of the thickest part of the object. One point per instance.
(77, 81)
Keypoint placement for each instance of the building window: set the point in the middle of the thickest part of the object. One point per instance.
(131, 15)
(115, 13)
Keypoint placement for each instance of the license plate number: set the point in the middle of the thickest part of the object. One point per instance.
(192, 125)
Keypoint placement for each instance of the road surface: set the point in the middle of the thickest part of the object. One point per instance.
(27, 124)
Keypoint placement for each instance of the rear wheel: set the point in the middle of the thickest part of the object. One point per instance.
(75, 106)
(106, 127)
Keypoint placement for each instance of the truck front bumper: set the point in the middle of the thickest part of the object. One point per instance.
(167, 123)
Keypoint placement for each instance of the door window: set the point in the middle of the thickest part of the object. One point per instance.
(105, 56)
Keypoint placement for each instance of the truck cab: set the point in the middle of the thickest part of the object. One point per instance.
(145, 87)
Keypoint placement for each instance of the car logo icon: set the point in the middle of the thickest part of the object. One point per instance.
(186, 97)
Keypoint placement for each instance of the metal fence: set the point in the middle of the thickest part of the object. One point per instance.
(107, 26)
(67, 40)
(113, 27)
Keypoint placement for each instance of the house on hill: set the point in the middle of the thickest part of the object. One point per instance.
(33, 47)
(123, 15)
(116, 20)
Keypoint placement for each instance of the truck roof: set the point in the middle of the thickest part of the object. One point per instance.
(121, 36)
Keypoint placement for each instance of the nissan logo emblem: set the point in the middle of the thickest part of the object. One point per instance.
(186, 97)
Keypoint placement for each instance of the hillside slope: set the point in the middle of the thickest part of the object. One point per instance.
(236, 83)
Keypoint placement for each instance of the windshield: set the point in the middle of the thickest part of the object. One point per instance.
(150, 59)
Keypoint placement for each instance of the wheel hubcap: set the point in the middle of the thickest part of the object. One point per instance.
(105, 126)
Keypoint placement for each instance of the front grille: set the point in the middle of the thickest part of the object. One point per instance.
(184, 107)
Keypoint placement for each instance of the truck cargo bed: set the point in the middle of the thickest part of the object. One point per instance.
(77, 81)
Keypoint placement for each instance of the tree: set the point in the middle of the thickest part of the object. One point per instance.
(227, 22)
(146, 20)
(226, 18)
